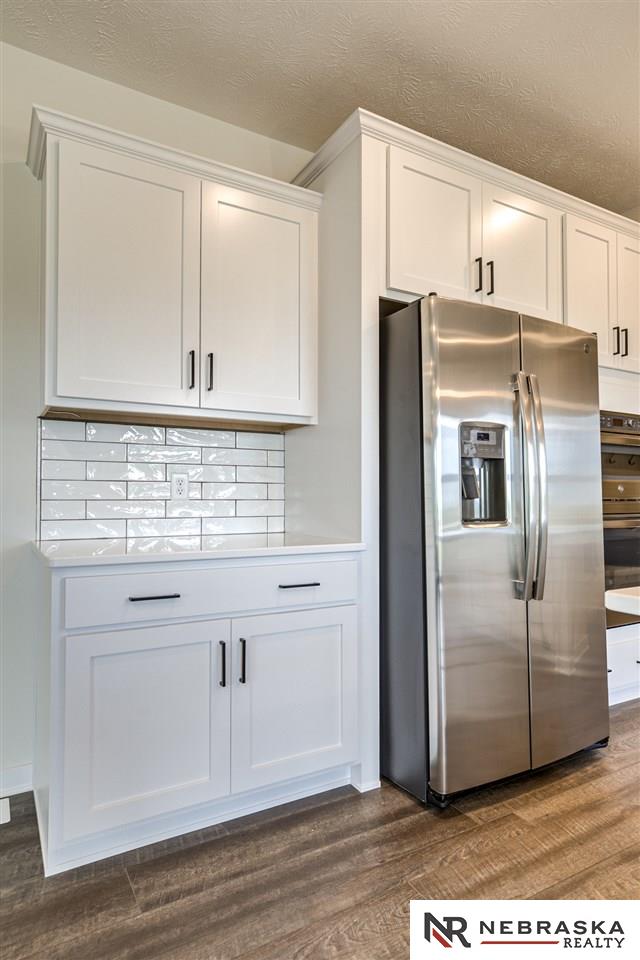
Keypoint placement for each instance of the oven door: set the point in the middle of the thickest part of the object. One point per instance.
(621, 560)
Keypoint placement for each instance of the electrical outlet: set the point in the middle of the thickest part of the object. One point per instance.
(180, 486)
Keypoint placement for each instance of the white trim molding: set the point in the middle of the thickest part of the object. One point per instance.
(15, 780)
(363, 123)
(47, 123)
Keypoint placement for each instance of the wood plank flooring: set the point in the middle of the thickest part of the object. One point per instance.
(331, 876)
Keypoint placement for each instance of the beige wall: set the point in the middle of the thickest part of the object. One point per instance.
(27, 79)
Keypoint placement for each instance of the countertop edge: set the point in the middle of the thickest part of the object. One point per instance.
(248, 553)
(624, 600)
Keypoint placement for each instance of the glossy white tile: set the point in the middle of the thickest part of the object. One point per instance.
(84, 548)
(238, 541)
(276, 491)
(147, 491)
(124, 433)
(185, 527)
(276, 458)
(82, 490)
(162, 454)
(63, 510)
(263, 441)
(260, 475)
(213, 525)
(211, 474)
(234, 491)
(144, 545)
(82, 450)
(260, 508)
(62, 430)
(63, 469)
(82, 529)
(103, 509)
(250, 458)
(275, 524)
(276, 539)
(202, 438)
(125, 471)
(201, 508)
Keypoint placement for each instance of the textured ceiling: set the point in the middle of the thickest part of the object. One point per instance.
(550, 88)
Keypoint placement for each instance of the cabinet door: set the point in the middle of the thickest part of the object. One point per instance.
(146, 723)
(629, 302)
(434, 230)
(259, 303)
(590, 282)
(522, 250)
(294, 699)
(128, 279)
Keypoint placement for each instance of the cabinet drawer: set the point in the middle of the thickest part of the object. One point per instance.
(127, 598)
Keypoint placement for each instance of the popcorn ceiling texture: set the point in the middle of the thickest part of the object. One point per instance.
(112, 482)
(547, 88)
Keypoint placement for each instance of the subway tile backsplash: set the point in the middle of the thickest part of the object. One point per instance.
(106, 481)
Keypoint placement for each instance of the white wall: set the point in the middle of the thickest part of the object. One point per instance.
(27, 79)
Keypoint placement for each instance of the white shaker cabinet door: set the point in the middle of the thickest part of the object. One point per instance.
(434, 229)
(146, 723)
(294, 695)
(629, 302)
(522, 250)
(259, 303)
(128, 274)
(590, 283)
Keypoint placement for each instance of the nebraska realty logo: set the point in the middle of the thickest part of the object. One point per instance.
(525, 926)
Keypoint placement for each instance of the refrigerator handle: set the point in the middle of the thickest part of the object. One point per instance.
(521, 386)
(543, 486)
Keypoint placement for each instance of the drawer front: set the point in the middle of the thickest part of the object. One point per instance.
(132, 597)
(623, 661)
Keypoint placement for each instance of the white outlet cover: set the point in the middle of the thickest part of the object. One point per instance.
(180, 486)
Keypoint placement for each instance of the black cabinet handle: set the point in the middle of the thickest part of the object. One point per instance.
(625, 352)
(243, 661)
(616, 330)
(610, 670)
(223, 648)
(297, 586)
(160, 596)
(192, 369)
(210, 369)
(478, 260)
(490, 267)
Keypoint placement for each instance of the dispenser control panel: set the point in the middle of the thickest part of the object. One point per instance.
(477, 441)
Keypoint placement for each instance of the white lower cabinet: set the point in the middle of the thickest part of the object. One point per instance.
(294, 695)
(623, 663)
(146, 724)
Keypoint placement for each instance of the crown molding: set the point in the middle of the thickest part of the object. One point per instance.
(49, 123)
(363, 123)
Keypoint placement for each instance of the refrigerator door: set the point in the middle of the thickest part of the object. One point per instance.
(477, 657)
(567, 637)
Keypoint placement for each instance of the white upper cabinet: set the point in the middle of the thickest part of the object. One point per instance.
(521, 247)
(173, 284)
(629, 302)
(435, 232)
(590, 284)
(258, 303)
(128, 274)
(453, 234)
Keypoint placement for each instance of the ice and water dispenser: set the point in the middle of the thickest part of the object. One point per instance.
(482, 471)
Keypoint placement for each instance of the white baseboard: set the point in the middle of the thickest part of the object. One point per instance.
(16, 780)
(366, 785)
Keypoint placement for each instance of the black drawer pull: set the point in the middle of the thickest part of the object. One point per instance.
(161, 596)
(609, 670)
(625, 351)
(243, 660)
(491, 268)
(223, 645)
(616, 352)
(478, 289)
(297, 586)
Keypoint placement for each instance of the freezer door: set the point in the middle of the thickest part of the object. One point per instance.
(476, 624)
(567, 638)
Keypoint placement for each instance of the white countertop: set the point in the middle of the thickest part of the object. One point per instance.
(624, 600)
(89, 553)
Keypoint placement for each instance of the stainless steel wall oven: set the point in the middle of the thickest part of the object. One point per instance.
(620, 445)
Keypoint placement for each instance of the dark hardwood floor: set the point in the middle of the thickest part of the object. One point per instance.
(332, 876)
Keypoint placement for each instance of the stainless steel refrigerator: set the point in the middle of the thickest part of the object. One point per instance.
(493, 642)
